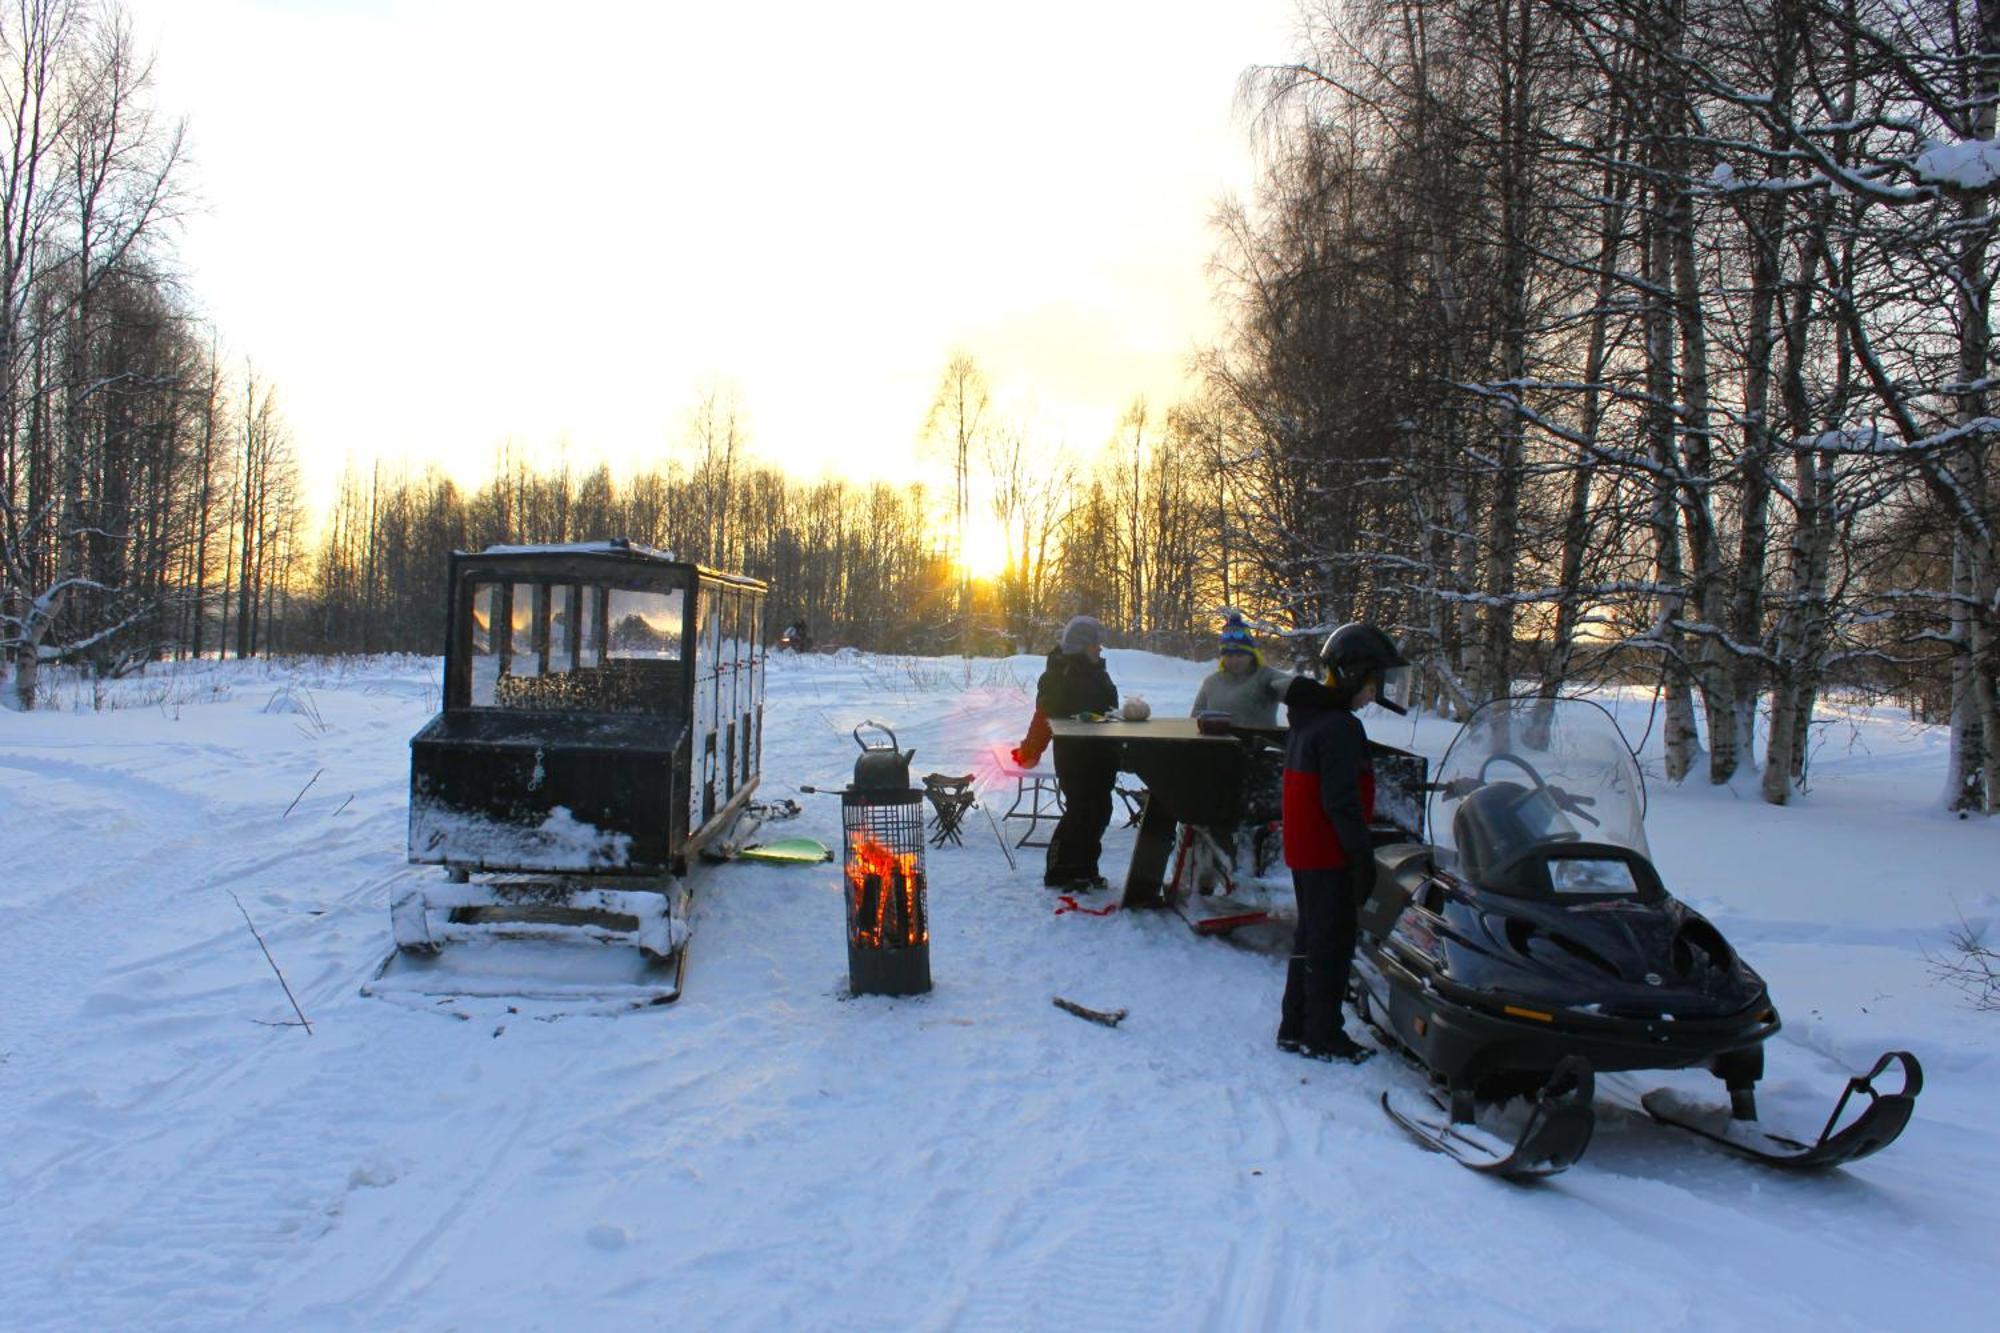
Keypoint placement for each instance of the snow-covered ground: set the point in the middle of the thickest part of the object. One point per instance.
(769, 1154)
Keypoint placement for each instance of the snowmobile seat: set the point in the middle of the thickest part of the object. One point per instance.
(1400, 870)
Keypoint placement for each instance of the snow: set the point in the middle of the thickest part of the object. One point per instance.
(558, 841)
(1971, 165)
(619, 547)
(767, 1153)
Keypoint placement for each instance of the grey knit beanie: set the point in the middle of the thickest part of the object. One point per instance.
(1081, 633)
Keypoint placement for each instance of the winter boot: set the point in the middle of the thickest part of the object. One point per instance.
(1292, 1013)
(1338, 1047)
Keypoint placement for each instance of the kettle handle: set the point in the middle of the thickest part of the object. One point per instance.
(865, 746)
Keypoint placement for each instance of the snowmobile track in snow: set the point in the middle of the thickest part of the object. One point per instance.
(248, 1194)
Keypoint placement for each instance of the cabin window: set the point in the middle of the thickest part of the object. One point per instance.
(643, 625)
(589, 626)
(708, 663)
(485, 599)
(564, 647)
(492, 639)
(561, 655)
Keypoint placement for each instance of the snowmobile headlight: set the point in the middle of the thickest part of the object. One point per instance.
(1394, 693)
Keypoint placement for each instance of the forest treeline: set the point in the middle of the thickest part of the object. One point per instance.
(1575, 342)
(1642, 337)
(1135, 539)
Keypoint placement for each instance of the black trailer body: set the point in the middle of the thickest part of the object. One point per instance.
(603, 720)
(603, 712)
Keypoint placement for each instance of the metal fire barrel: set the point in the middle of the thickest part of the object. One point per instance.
(888, 913)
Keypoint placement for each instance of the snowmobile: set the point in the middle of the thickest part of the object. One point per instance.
(601, 728)
(1533, 945)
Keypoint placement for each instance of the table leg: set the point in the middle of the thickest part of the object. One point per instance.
(1148, 871)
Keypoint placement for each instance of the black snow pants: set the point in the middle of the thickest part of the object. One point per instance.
(1322, 953)
(1086, 771)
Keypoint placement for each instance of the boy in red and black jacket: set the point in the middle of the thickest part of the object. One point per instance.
(1329, 799)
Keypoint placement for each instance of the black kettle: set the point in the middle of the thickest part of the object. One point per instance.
(881, 767)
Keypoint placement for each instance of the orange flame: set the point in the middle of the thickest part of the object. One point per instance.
(887, 888)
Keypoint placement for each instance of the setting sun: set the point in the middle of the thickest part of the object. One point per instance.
(985, 555)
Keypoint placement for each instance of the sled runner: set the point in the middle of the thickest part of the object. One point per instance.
(616, 948)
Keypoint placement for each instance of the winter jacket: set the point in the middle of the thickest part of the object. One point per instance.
(1251, 700)
(1329, 792)
(1074, 683)
(1029, 752)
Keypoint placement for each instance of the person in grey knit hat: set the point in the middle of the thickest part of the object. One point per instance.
(1074, 683)
(1081, 634)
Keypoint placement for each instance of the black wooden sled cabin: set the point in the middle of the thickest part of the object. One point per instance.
(602, 722)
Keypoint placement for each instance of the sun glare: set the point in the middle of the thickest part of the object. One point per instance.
(985, 554)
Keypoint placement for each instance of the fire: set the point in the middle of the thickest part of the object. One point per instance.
(888, 900)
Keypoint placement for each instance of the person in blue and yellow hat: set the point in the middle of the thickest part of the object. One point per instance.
(1248, 692)
(1241, 685)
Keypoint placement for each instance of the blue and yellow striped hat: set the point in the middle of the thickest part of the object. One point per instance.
(1236, 639)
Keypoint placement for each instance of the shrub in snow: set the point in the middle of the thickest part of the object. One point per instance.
(1973, 966)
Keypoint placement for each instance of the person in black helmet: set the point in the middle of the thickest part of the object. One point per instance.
(1329, 795)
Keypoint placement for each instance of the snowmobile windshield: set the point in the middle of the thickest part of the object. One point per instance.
(1530, 773)
(1394, 692)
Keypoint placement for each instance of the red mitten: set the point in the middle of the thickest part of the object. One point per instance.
(1029, 752)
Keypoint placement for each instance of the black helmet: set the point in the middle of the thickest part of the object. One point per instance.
(1354, 650)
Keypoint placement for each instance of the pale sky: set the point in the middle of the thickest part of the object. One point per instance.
(438, 224)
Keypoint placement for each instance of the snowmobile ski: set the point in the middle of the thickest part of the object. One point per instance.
(1873, 1130)
(1554, 1135)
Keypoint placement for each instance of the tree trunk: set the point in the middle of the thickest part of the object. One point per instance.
(1764, 220)
(27, 674)
(1975, 714)
(1503, 529)
(1679, 734)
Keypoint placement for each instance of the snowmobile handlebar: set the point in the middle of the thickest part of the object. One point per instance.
(1570, 802)
(1574, 804)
